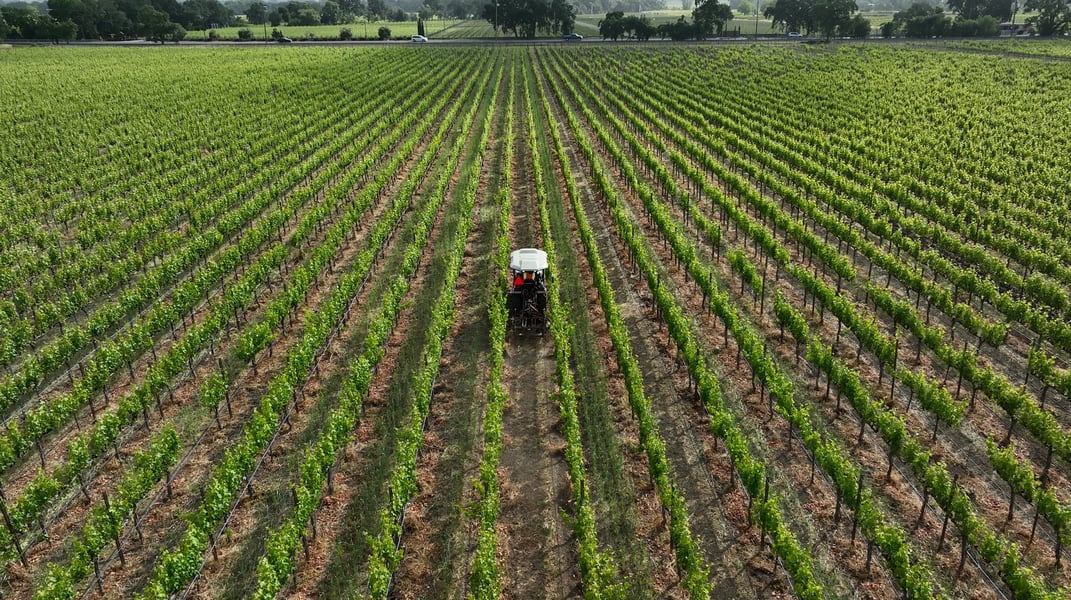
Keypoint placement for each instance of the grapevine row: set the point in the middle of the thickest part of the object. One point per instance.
(485, 577)
(724, 423)
(176, 567)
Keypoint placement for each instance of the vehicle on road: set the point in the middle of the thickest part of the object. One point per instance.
(418, 38)
(573, 36)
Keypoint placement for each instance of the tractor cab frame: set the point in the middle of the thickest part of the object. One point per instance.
(526, 301)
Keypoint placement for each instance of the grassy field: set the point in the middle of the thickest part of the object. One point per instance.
(808, 321)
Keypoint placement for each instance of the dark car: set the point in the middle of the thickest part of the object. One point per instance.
(284, 40)
(572, 36)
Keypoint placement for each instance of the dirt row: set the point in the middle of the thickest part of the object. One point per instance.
(352, 507)
(537, 549)
(629, 515)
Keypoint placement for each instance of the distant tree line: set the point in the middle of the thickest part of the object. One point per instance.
(170, 19)
(525, 18)
(830, 18)
(341, 12)
(26, 22)
(709, 17)
(976, 18)
(157, 20)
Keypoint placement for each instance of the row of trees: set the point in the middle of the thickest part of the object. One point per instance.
(112, 19)
(523, 18)
(975, 18)
(709, 17)
(26, 22)
(925, 21)
(162, 20)
(336, 12)
(831, 18)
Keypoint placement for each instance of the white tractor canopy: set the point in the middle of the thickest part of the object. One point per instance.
(528, 259)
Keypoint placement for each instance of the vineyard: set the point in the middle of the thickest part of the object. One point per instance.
(810, 323)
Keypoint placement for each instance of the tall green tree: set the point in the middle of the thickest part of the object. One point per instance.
(524, 18)
(22, 21)
(203, 14)
(710, 16)
(65, 30)
(1053, 18)
(612, 26)
(349, 9)
(157, 26)
(966, 9)
(973, 9)
(562, 17)
(375, 10)
(920, 20)
(677, 31)
(305, 17)
(83, 13)
(331, 13)
(833, 16)
(791, 15)
(257, 13)
(459, 9)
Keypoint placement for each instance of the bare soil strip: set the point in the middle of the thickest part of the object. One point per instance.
(439, 539)
(628, 511)
(536, 546)
(352, 511)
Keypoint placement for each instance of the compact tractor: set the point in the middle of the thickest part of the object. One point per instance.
(527, 298)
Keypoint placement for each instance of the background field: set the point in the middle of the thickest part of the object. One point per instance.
(810, 321)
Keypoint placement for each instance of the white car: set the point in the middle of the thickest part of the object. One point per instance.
(418, 38)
